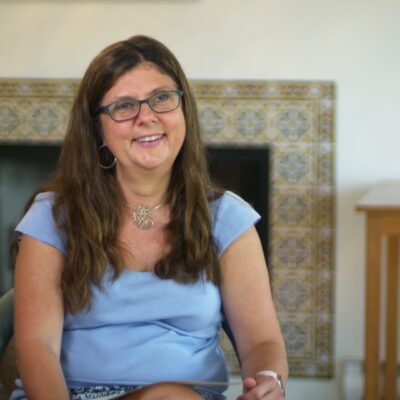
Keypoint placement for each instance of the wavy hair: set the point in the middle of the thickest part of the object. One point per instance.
(89, 205)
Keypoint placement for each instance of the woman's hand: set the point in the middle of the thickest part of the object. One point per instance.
(261, 388)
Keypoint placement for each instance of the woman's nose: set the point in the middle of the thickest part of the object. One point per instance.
(145, 113)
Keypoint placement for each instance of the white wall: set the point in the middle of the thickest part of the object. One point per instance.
(352, 42)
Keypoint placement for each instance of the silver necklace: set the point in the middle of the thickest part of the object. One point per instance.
(143, 216)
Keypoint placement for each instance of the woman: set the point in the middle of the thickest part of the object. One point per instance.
(127, 255)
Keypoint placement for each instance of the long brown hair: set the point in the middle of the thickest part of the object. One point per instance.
(89, 203)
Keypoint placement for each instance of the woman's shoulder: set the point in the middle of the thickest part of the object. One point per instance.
(42, 204)
(45, 198)
(231, 215)
(39, 222)
(230, 201)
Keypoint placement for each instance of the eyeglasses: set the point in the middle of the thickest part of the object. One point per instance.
(128, 108)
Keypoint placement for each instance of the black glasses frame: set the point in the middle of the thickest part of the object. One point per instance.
(106, 108)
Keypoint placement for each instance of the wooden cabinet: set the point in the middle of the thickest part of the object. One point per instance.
(381, 205)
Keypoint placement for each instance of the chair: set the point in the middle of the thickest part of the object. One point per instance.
(7, 320)
(227, 329)
(7, 358)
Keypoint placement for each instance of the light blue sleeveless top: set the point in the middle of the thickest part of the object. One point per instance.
(142, 329)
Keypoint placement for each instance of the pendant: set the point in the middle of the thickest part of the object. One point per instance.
(143, 217)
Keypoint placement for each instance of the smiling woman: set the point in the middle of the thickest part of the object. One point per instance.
(132, 263)
(145, 134)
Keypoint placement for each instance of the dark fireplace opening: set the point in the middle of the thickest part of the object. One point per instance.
(243, 170)
(22, 169)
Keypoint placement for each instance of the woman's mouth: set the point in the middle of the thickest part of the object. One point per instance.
(149, 139)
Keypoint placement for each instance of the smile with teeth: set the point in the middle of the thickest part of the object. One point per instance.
(150, 138)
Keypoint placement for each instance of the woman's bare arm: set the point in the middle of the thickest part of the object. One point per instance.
(39, 316)
(250, 310)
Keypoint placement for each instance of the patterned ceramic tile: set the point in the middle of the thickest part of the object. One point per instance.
(293, 164)
(299, 335)
(294, 291)
(34, 110)
(294, 249)
(296, 120)
(294, 123)
(296, 206)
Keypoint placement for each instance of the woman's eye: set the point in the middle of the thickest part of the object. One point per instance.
(125, 105)
(162, 97)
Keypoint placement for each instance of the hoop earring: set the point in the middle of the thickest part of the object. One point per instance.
(113, 162)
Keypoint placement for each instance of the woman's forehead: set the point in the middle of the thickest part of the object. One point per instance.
(142, 80)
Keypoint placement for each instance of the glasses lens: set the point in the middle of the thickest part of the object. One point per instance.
(124, 109)
(164, 101)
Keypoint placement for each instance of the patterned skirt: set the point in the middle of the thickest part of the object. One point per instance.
(117, 391)
(112, 392)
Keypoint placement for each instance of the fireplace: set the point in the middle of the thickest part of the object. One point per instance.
(295, 120)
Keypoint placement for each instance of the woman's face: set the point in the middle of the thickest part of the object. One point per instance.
(150, 141)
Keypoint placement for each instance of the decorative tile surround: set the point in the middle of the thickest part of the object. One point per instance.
(296, 119)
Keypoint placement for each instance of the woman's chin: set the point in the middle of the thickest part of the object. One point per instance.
(149, 165)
